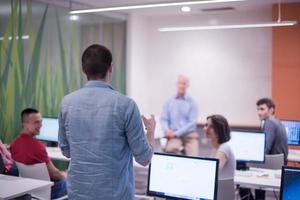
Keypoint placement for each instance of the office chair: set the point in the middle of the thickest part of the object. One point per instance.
(37, 171)
(226, 189)
(274, 161)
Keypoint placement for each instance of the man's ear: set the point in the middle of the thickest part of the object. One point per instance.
(110, 68)
(272, 110)
(85, 74)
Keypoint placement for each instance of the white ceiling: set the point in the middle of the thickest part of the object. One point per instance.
(247, 5)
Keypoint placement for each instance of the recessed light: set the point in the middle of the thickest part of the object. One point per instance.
(74, 17)
(154, 5)
(228, 26)
(186, 9)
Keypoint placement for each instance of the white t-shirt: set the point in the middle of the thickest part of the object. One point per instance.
(230, 165)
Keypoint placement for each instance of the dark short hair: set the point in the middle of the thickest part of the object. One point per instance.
(26, 112)
(96, 60)
(269, 102)
(221, 127)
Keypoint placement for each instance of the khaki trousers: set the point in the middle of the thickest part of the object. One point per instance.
(189, 143)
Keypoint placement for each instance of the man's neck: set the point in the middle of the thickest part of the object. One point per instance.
(268, 117)
(26, 132)
(106, 79)
(180, 95)
(97, 79)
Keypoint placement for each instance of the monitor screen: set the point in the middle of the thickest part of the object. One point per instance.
(293, 131)
(290, 183)
(49, 130)
(248, 145)
(182, 177)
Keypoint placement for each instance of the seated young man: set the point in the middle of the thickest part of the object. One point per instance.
(28, 150)
(276, 139)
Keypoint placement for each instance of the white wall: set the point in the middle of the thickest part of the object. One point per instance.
(228, 69)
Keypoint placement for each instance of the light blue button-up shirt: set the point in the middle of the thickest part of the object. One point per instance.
(179, 114)
(101, 130)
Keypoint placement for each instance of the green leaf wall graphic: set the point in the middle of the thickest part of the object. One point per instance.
(40, 53)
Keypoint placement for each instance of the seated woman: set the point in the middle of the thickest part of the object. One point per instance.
(218, 131)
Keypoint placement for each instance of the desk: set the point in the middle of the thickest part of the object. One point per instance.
(248, 179)
(294, 155)
(258, 178)
(12, 186)
(55, 154)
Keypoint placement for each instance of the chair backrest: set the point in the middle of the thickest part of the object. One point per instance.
(226, 189)
(2, 166)
(37, 171)
(274, 161)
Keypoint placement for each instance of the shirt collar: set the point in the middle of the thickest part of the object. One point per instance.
(23, 134)
(181, 97)
(262, 123)
(270, 117)
(98, 84)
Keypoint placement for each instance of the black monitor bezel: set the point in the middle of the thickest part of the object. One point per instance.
(282, 177)
(152, 193)
(290, 120)
(252, 131)
(51, 141)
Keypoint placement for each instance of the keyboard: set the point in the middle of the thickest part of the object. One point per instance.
(247, 173)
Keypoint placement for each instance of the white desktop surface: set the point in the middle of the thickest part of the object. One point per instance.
(258, 178)
(250, 179)
(294, 155)
(12, 186)
(55, 154)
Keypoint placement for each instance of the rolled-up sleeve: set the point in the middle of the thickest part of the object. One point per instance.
(137, 140)
(62, 137)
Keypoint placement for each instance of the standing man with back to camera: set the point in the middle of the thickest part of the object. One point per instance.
(101, 131)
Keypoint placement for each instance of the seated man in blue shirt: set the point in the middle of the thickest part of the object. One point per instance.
(178, 121)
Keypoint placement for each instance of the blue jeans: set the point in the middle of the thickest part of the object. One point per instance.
(13, 171)
(59, 189)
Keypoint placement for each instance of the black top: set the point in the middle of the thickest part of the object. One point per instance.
(2, 167)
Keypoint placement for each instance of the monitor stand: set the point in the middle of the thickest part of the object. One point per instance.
(51, 144)
(241, 165)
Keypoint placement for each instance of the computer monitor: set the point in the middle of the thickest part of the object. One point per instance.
(290, 183)
(49, 130)
(248, 145)
(182, 177)
(293, 131)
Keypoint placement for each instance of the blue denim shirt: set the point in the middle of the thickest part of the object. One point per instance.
(179, 114)
(101, 130)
